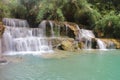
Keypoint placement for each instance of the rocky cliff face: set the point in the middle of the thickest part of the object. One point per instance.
(58, 28)
(1, 29)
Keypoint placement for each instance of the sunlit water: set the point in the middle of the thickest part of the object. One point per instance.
(91, 65)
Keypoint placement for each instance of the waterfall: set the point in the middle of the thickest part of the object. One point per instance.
(88, 44)
(52, 29)
(25, 40)
(87, 33)
(85, 36)
(15, 22)
(111, 45)
(42, 25)
(101, 44)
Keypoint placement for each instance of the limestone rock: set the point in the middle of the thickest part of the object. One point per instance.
(57, 42)
(81, 45)
(67, 45)
(2, 28)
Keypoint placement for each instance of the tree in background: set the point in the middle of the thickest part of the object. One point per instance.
(4, 10)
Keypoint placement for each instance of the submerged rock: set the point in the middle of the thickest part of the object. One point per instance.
(2, 59)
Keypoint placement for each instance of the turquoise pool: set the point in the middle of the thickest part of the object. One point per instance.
(90, 65)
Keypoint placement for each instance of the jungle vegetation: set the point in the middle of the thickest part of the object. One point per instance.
(102, 15)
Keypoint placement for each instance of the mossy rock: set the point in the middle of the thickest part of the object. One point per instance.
(2, 28)
(67, 45)
(81, 45)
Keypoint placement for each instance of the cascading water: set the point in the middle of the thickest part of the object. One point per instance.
(86, 36)
(24, 40)
(81, 35)
(52, 29)
(15, 22)
(101, 44)
(111, 45)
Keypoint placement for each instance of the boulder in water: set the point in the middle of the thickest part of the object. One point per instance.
(67, 45)
(2, 60)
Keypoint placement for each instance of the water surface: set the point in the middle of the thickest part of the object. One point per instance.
(90, 65)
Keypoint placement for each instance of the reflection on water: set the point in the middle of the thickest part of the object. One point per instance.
(101, 66)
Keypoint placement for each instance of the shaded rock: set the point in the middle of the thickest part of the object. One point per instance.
(81, 45)
(2, 28)
(94, 43)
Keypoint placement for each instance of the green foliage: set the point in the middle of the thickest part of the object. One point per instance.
(85, 14)
(4, 10)
(18, 11)
(50, 11)
(109, 25)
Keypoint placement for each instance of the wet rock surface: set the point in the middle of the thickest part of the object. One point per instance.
(2, 28)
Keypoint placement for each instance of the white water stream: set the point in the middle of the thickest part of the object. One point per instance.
(24, 40)
(19, 38)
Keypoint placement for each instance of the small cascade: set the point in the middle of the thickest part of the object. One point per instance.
(88, 44)
(72, 30)
(85, 36)
(52, 29)
(111, 45)
(42, 25)
(101, 44)
(87, 33)
(58, 29)
(15, 22)
(25, 40)
(67, 27)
